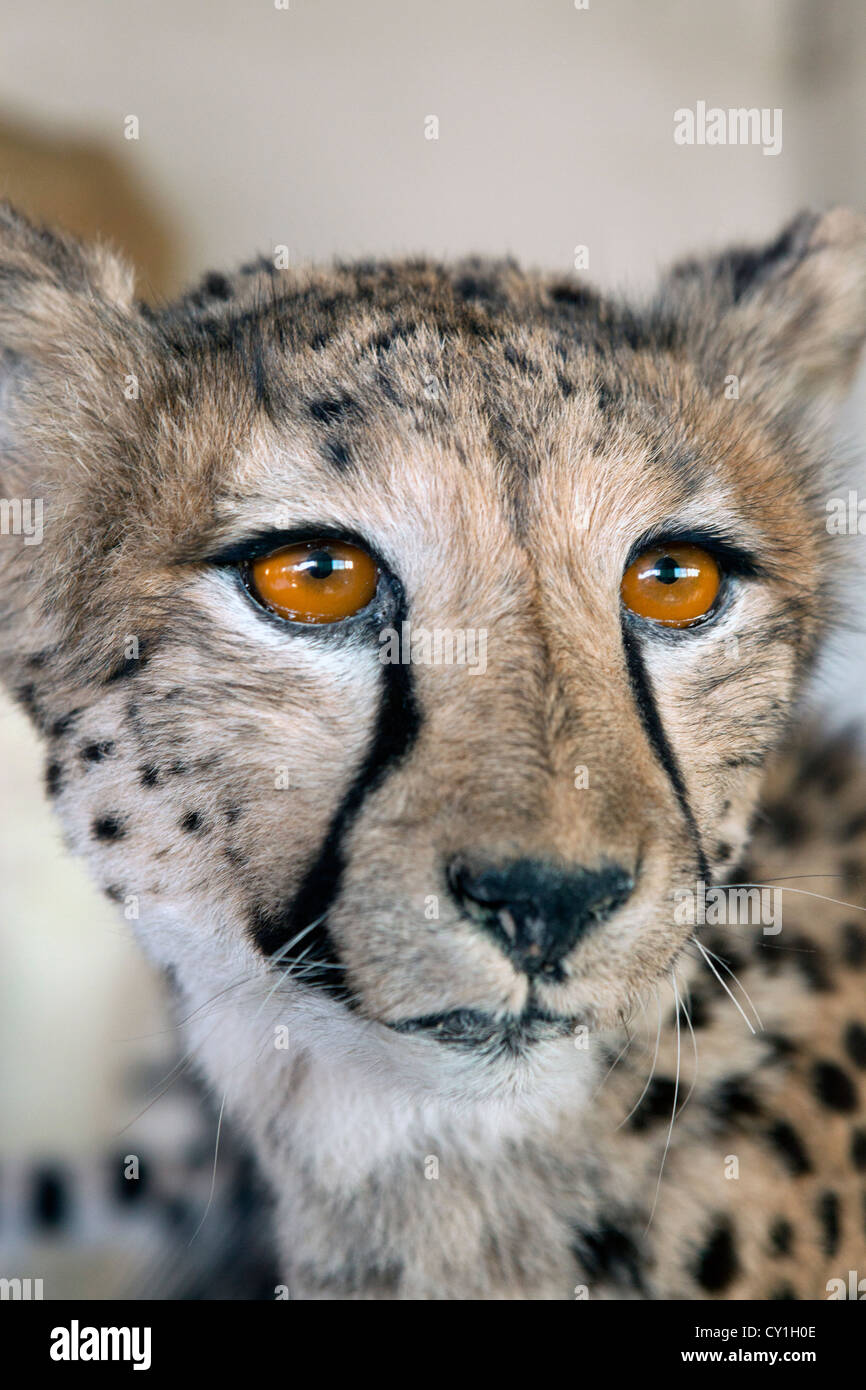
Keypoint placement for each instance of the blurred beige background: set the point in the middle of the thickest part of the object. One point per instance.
(306, 127)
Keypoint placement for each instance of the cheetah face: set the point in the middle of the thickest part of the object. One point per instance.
(405, 636)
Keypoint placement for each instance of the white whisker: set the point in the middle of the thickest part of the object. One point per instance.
(735, 1002)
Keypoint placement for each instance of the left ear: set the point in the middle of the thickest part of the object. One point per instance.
(788, 318)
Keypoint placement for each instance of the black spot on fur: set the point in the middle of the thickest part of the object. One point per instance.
(786, 824)
(54, 779)
(732, 1099)
(26, 697)
(783, 1293)
(811, 962)
(129, 666)
(115, 893)
(722, 947)
(790, 1148)
(747, 269)
(149, 775)
(192, 823)
(606, 398)
(698, 1009)
(834, 1087)
(657, 1104)
(108, 828)
(717, 1264)
(855, 1043)
(95, 752)
(50, 1199)
(576, 295)
(722, 851)
(781, 1048)
(855, 827)
(858, 1150)
(232, 813)
(517, 359)
(609, 1254)
(61, 726)
(40, 659)
(781, 1237)
(216, 286)
(328, 409)
(853, 945)
(338, 453)
(827, 1211)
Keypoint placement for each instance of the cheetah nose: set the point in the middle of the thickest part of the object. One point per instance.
(537, 911)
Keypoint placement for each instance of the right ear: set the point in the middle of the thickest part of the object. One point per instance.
(62, 305)
(69, 332)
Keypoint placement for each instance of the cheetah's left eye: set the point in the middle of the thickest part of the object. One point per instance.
(675, 584)
(315, 581)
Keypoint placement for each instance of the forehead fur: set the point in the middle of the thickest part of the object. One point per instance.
(157, 427)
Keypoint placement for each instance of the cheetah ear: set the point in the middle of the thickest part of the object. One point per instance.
(52, 287)
(65, 310)
(787, 319)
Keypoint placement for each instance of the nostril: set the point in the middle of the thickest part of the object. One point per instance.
(537, 911)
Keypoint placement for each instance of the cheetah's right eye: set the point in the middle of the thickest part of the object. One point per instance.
(314, 581)
(674, 584)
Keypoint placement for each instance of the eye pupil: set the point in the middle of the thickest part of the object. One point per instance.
(667, 571)
(320, 565)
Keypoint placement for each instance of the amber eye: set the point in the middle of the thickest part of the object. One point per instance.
(672, 584)
(315, 581)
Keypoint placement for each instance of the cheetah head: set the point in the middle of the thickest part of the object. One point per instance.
(404, 636)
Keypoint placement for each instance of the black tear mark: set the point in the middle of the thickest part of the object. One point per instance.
(397, 727)
(655, 732)
(109, 828)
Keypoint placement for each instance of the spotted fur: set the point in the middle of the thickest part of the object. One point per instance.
(284, 811)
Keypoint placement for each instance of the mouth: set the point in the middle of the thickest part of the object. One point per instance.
(471, 1029)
